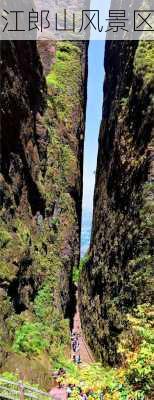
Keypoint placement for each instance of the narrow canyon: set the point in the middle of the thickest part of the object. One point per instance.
(43, 111)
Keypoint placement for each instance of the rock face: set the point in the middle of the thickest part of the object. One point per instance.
(40, 192)
(117, 275)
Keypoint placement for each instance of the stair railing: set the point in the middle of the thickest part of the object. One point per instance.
(11, 390)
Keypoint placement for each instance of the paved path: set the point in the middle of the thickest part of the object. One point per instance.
(58, 394)
(85, 355)
(85, 352)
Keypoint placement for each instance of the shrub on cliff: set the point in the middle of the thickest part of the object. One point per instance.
(5, 238)
(29, 338)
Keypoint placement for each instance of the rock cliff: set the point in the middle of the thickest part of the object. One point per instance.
(42, 135)
(117, 276)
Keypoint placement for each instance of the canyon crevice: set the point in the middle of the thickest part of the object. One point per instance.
(43, 107)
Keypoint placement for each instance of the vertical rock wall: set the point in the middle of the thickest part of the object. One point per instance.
(117, 276)
(42, 137)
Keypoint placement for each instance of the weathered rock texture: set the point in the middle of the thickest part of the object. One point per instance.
(41, 190)
(117, 276)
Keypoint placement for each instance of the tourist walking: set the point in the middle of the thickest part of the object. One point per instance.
(69, 391)
(78, 359)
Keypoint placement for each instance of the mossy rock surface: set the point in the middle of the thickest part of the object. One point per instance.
(118, 275)
(41, 193)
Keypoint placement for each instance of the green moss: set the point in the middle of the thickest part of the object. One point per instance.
(40, 185)
(7, 271)
(66, 203)
(61, 171)
(63, 103)
(124, 101)
(43, 304)
(23, 232)
(43, 248)
(147, 211)
(66, 53)
(68, 162)
(64, 77)
(77, 270)
(5, 238)
(144, 61)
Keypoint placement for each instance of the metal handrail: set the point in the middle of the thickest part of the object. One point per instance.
(17, 392)
(5, 396)
(24, 392)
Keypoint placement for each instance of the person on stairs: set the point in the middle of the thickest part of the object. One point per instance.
(69, 391)
(83, 395)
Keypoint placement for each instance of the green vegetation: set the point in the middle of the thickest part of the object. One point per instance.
(48, 333)
(31, 259)
(23, 235)
(61, 172)
(147, 211)
(43, 301)
(5, 238)
(78, 269)
(124, 102)
(140, 369)
(133, 379)
(36, 258)
(7, 271)
(29, 338)
(63, 103)
(144, 60)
